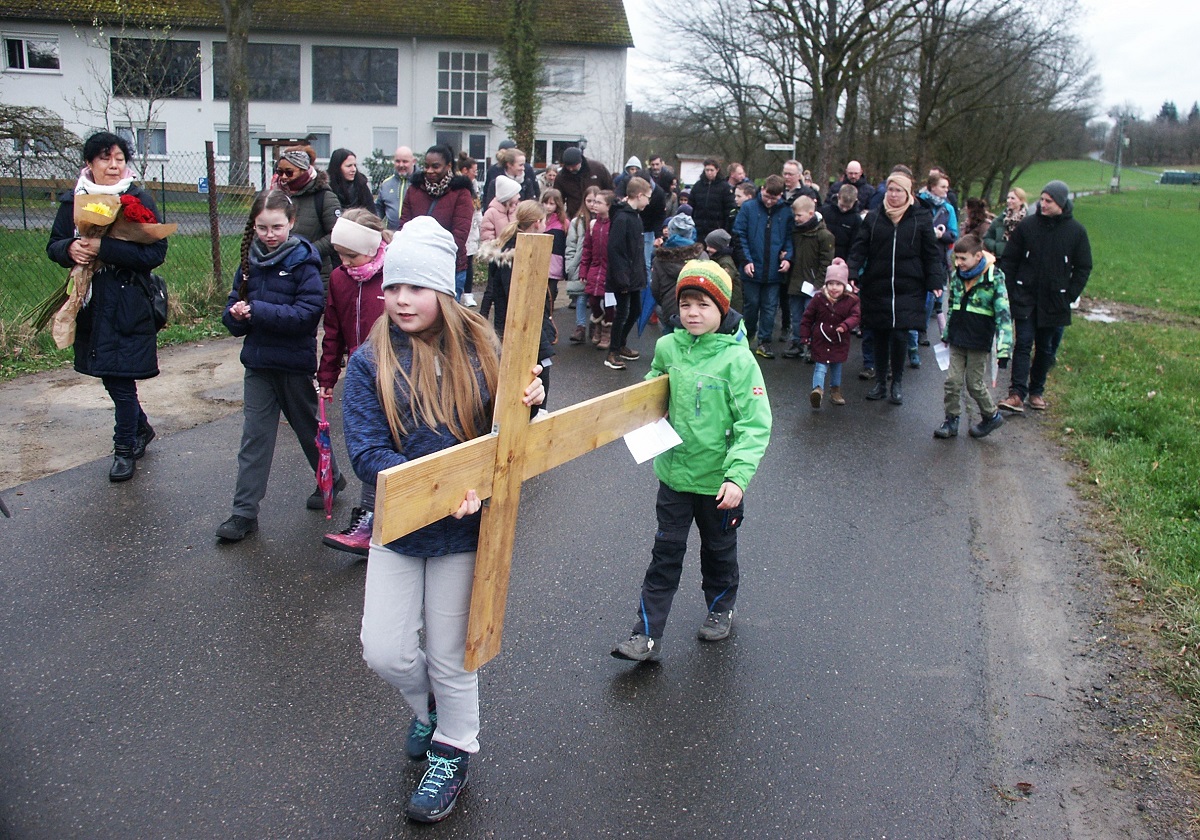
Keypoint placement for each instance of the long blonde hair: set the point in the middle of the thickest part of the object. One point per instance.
(442, 387)
(529, 213)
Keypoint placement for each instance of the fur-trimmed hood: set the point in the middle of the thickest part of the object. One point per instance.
(458, 182)
(680, 254)
(496, 252)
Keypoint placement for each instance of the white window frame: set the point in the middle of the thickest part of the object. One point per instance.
(450, 89)
(563, 75)
(256, 131)
(326, 132)
(393, 143)
(130, 132)
(25, 38)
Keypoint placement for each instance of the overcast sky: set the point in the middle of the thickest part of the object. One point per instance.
(1145, 53)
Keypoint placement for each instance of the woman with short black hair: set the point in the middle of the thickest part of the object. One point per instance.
(115, 332)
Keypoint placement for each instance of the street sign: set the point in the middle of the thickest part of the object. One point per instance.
(202, 185)
(780, 147)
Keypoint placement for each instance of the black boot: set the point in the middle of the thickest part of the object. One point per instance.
(948, 429)
(878, 390)
(897, 397)
(123, 464)
(145, 434)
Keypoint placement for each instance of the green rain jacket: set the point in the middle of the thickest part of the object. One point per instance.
(718, 406)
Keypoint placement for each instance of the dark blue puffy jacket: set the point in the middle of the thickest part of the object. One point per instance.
(286, 299)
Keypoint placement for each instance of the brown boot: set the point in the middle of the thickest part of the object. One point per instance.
(814, 397)
(593, 331)
(605, 337)
(577, 336)
(835, 396)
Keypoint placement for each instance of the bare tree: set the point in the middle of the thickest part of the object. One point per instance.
(142, 66)
(837, 42)
(38, 138)
(238, 14)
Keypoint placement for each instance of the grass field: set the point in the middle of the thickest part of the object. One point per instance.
(1086, 176)
(27, 277)
(1125, 401)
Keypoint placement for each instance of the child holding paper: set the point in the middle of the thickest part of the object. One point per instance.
(718, 406)
(978, 312)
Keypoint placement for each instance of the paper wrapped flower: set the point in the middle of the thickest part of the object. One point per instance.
(123, 217)
(134, 211)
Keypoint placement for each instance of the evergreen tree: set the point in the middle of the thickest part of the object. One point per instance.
(520, 72)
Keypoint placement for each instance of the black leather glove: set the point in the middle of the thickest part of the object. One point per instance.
(1002, 363)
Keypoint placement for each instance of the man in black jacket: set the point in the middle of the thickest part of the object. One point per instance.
(577, 174)
(1046, 265)
(711, 200)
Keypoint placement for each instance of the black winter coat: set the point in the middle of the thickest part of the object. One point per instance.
(1046, 265)
(286, 303)
(626, 251)
(115, 333)
(712, 206)
(843, 226)
(895, 266)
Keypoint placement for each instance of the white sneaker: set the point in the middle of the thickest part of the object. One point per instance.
(468, 300)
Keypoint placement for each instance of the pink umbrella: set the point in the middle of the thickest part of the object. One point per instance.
(325, 462)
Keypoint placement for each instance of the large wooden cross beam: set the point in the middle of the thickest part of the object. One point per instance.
(427, 489)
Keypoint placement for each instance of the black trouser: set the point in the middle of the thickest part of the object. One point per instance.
(127, 411)
(718, 556)
(629, 309)
(890, 345)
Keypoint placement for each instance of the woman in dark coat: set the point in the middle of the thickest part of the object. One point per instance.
(449, 198)
(115, 333)
(317, 205)
(348, 183)
(897, 260)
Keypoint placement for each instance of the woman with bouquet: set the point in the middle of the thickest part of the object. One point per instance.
(115, 333)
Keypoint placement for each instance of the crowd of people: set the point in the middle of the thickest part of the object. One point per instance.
(391, 276)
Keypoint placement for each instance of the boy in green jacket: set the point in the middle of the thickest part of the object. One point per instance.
(978, 313)
(718, 406)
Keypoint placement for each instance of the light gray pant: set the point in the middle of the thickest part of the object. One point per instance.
(400, 590)
(266, 393)
(969, 365)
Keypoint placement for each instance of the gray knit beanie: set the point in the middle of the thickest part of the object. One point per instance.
(1058, 191)
(422, 253)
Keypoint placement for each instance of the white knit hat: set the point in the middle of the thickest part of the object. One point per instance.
(506, 188)
(422, 253)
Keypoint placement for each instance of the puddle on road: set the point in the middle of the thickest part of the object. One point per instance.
(1101, 315)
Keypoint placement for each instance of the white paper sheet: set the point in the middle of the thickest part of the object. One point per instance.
(652, 439)
(610, 299)
(941, 352)
(808, 288)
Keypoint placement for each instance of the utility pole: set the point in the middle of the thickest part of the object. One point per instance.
(1115, 185)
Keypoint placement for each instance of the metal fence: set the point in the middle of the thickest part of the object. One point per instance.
(201, 256)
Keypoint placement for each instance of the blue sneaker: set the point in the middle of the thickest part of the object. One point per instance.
(420, 736)
(443, 781)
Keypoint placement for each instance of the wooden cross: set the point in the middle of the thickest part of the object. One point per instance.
(427, 489)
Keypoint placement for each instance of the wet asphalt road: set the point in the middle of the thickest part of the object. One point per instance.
(156, 684)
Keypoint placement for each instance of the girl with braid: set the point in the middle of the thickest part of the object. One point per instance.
(276, 302)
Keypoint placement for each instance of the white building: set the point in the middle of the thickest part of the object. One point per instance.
(411, 72)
